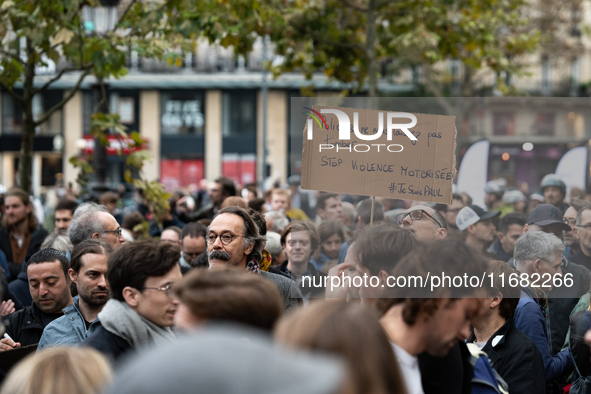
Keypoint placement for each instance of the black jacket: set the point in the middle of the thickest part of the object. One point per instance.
(562, 300)
(451, 374)
(37, 239)
(313, 288)
(20, 288)
(516, 359)
(581, 258)
(26, 326)
(110, 345)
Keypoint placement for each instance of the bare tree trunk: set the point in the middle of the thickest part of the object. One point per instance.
(28, 131)
(372, 67)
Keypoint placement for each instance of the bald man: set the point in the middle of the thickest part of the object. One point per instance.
(424, 222)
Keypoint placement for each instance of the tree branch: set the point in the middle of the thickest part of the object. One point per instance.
(382, 3)
(331, 42)
(432, 86)
(58, 76)
(80, 43)
(59, 105)
(132, 2)
(12, 55)
(18, 98)
(354, 6)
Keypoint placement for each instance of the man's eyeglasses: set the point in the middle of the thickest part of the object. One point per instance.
(166, 289)
(225, 238)
(117, 232)
(586, 226)
(414, 216)
(571, 222)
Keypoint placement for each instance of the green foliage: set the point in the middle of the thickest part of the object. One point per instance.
(156, 196)
(331, 36)
(85, 169)
(154, 193)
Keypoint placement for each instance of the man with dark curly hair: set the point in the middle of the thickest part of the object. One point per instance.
(142, 306)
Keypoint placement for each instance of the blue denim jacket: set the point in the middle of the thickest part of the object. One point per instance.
(69, 329)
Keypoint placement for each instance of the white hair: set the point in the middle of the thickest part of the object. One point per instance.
(85, 222)
(537, 245)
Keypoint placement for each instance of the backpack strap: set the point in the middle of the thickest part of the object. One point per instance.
(570, 352)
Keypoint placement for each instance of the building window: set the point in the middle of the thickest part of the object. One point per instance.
(503, 123)
(12, 114)
(87, 109)
(51, 170)
(544, 124)
(124, 103)
(182, 112)
(239, 113)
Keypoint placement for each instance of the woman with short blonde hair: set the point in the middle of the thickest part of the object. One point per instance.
(59, 370)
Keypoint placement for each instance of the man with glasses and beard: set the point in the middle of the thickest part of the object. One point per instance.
(88, 267)
(233, 240)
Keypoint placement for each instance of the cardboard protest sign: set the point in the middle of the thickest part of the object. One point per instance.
(379, 153)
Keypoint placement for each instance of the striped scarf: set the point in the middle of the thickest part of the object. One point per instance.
(253, 267)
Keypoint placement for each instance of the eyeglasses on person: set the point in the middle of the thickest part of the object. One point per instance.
(166, 289)
(225, 238)
(117, 232)
(415, 215)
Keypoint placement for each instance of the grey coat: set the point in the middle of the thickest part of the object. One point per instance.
(292, 296)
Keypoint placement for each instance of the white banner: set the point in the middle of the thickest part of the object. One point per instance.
(473, 172)
(572, 169)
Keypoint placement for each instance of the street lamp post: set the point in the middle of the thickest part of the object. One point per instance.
(99, 21)
(99, 161)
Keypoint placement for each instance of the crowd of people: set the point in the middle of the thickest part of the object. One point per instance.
(102, 296)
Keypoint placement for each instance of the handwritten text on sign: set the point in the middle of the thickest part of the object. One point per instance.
(379, 153)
